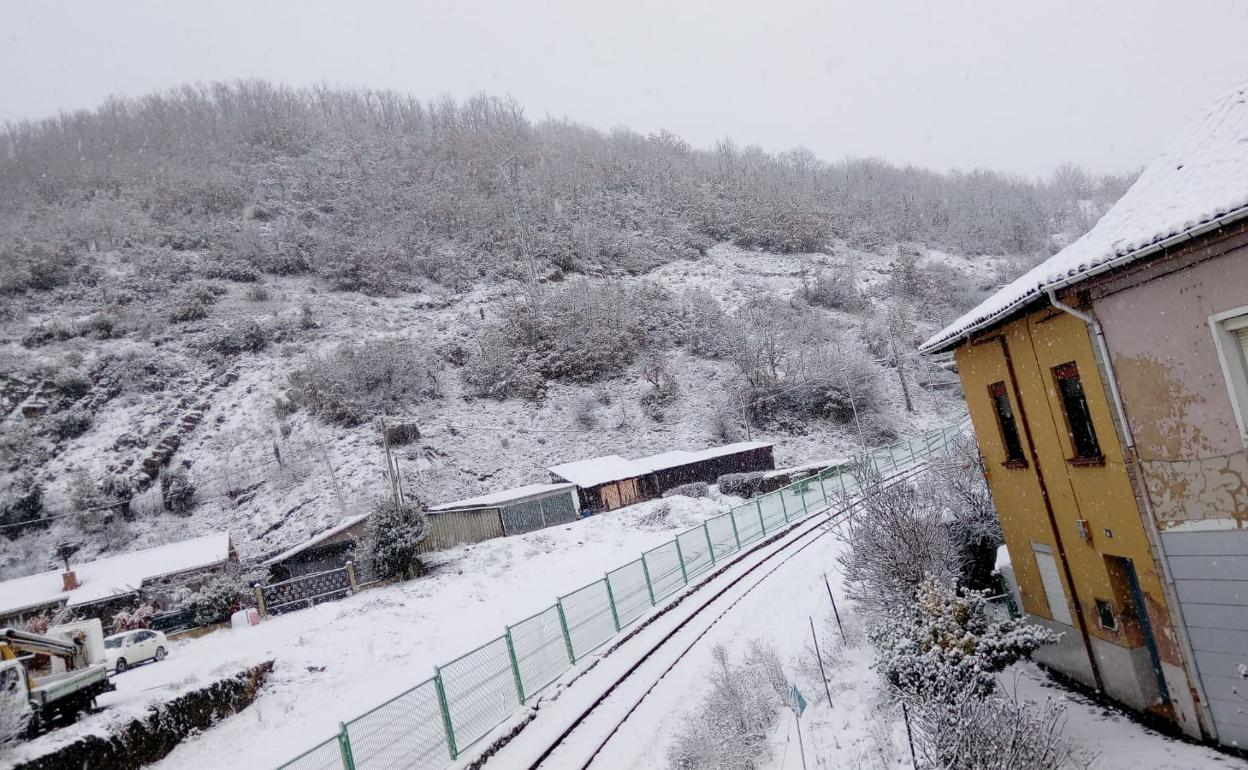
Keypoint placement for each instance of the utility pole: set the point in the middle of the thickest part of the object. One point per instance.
(392, 467)
(342, 505)
(849, 391)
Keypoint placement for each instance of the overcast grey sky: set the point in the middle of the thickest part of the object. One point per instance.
(1016, 86)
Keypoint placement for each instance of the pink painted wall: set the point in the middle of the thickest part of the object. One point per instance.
(1174, 392)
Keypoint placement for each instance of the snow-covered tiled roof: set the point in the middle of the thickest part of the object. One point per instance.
(1199, 182)
(316, 539)
(677, 457)
(526, 492)
(116, 575)
(598, 470)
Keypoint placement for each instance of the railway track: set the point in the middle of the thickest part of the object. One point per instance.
(595, 725)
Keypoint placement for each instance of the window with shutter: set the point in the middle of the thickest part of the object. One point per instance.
(1007, 424)
(1078, 416)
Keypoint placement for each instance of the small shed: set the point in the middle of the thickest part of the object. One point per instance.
(327, 550)
(521, 509)
(669, 470)
(605, 483)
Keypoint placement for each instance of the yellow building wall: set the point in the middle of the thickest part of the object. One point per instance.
(1100, 495)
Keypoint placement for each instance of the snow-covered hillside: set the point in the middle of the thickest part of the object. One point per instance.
(273, 479)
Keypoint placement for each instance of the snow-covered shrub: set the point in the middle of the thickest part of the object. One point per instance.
(21, 500)
(177, 492)
(254, 338)
(972, 517)
(71, 423)
(940, 642)
(116, 488)
(704, 324)
(133, 620)
(730, 729)
(836, 289)
(189, 310)
(897, 540)
(740, 484)
(583, 411)
(72, 384)
(692, 489)
(664, 389)
(359, 380)
(392, 537)
(216, 599)
(997, 732)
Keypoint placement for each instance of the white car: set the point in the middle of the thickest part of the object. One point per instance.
(126, 649)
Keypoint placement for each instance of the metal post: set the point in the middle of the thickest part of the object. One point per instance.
(819, 657)
(351, 579)
(783, 508)
(344, 747)
(515, 666)
(260, 600)
(446, 713)
(798, 718)
(709, 546)
(645, 568)
(733, 520)
(680, 556)
(905, 714)
(758, 504)
(835, 614)
(615, 616)
(567, 637)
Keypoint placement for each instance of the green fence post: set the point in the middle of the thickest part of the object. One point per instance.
(680, 556)
(515, 666)
(567, 637)
(645, 567)
(733, 520)
(758, 503)
(783, 508)
(805, 507)
(709, 547)
(344, 747)
(446, 713)
(823, 489)
(615, 616)
(840, 475)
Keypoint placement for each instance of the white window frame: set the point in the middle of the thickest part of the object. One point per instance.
(1234, 368)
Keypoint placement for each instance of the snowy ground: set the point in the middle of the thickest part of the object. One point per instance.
(339, 659)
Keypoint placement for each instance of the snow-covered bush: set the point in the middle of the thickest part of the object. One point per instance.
(21, 499)
(215, 600)
(177, 492)
(997, 732)
(692, 489)
(836, 289)
(133, 620)
(731, 727)
(945, 641)
(72, 384)
(72, 423)
(359, 380)
(704, 324)
(897, 540)
(392, 538)
(973, 519)
(740, 484)
(664, 389)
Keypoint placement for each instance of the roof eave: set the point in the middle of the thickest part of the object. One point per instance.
(941, 346)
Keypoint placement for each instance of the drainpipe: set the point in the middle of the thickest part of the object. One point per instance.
(1152, 531)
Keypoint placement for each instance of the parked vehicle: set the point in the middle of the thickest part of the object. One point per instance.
(126, 649)
(53, 676)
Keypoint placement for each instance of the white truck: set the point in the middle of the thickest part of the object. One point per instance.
(54, 676)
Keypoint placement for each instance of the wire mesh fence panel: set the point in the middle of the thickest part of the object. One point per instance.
(629, 590)
(722, 538)
(480, 691)
(696, 551)
(541, 650)
(666, 575)
(405, 732)
(588, 613)
(792, 499)
(326, 756)
(749, 528)
(773, 512)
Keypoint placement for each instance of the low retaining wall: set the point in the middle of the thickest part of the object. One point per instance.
(150, 738)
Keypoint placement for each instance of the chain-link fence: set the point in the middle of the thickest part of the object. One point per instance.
(433, 723)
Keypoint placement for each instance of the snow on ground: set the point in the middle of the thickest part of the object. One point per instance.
(339, 659)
